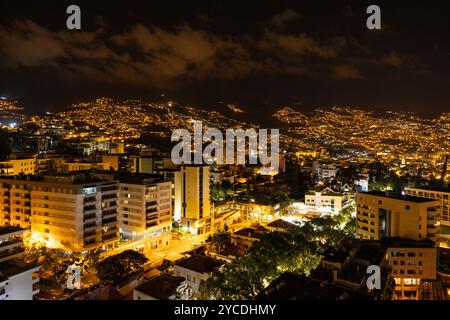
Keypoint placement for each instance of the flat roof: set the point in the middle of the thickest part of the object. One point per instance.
(7, 230)
(201, 264)
(11, 269)
(161, 287)
(436, 189)
(406, 243)
(142, 179)
(290, 286)
(398, 196)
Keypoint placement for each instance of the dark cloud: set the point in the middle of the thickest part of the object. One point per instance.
(153, 56)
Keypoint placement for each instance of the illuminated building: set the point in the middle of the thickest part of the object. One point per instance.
(411, 262)
(326, 199)
(73, 212)
(118, 148)
(96, 145)
(17, 280)
(259, 212)
(116, 162)
(324, 171)
(382, 215)
(193, 198)
(386, 216)
(17, 166)
(194, 270)
(442, 195)
(66, 167)
(150, 164)
(145, 208)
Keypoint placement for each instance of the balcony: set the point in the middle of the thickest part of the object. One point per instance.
(89, 226)
(11, 254)
(11, 244)
(35, 288)
(35, 278)
(431, 230)
(90, 217)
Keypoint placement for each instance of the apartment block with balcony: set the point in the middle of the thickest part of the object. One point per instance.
(18, 281)
(443, 195)
(74, 212)
(412, 262)
(410, 228)
(384, 214)
(145, 207)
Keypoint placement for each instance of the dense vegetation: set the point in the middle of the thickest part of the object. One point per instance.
(297, 250)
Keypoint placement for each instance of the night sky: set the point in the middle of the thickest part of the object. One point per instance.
(258, 54)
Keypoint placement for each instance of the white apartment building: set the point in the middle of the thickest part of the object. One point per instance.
(326, 200)
(194, 270)
(17, 281)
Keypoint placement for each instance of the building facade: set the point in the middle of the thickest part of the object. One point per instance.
(145, 207)
(382, 215)
(443, 195)
(17, 281)
(410, 228)
(193, 205)
(72, 212)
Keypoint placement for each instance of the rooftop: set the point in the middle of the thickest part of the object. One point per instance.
(256, 233)
(201, 264)
(281, 224)
(8, 269)
(7, 230)
(397, 196)
(407, 243)
(290, 286)
(142, 179)
(162, 287)
(436, 189)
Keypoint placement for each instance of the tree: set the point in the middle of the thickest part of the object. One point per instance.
(110, 270)
(113, 268)
(297, 250)
(347, 175)
(5, 146)
(218, 192)
(219, 241)
(280, 195)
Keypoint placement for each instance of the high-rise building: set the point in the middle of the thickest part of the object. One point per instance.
(193, 198)
(73, 212)
(381, 215)
(145, 208)
(410, 226)
(443, 195)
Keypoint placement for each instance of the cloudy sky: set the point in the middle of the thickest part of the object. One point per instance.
(259, 54)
